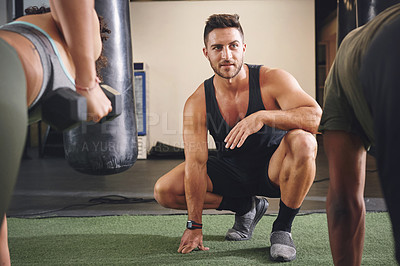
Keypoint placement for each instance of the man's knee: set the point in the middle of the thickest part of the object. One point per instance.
(163, 195)
(300, 154)
(157, 192)
(302, 145)
(345, 206)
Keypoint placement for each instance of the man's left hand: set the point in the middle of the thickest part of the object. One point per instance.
(244, 128)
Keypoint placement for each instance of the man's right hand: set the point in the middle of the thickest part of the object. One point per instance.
(190, 240)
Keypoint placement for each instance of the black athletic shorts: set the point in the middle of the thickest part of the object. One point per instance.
(232, 181)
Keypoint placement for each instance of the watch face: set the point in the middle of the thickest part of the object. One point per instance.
(189, 225)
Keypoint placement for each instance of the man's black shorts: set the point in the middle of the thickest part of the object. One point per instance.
(232, 181)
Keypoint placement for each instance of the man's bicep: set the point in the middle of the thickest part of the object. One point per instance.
(195, 134)
(296, 98)
(288, 92)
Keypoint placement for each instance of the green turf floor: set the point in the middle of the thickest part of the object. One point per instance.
(154, 240)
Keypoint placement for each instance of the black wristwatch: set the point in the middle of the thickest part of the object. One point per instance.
(193, 225)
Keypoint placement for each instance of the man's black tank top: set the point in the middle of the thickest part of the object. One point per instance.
(258, 147)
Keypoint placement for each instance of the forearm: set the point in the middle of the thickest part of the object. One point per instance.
(195, 190)
(76, 21)
(306, 118)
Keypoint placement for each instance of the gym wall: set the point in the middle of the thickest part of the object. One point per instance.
(168, 37)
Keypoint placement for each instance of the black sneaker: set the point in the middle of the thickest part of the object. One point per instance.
(245, 224)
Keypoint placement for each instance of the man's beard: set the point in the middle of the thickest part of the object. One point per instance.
(237, 64)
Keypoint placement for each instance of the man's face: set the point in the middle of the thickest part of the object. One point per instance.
(225, 51)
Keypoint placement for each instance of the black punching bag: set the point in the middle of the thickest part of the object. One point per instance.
(355, 13)
(111, 147)
(347, 18)
(368, 9)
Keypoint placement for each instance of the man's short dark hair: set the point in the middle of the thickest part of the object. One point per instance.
(220, 21)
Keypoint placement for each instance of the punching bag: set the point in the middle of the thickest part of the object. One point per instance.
(355, 13)
(368, 9)
(347, 18)
(110, 147)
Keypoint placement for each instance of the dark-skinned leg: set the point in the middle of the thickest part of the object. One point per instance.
(345, 201)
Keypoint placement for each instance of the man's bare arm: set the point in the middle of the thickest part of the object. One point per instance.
(298, 110)
(196, 155)
(295, 109)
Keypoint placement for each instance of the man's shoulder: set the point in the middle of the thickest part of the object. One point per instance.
(197, 99)
(266, 70)
(275, 81)
(273, 74)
